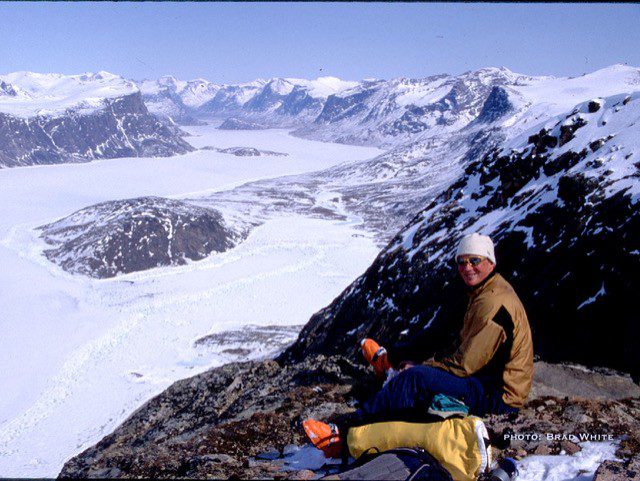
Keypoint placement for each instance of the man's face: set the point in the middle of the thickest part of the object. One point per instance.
(471, 274)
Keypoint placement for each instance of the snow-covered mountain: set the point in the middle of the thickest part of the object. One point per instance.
(177, 99)
(276, 102)
(388, 190)
(29, 94)
(561, 202)
(391, 112)
(53, 118)
(387, 113)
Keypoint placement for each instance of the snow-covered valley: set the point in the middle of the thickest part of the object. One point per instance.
(79, 354)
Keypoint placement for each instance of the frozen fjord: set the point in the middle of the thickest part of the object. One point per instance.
(79, 355)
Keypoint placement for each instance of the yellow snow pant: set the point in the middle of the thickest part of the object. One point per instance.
(459, 444)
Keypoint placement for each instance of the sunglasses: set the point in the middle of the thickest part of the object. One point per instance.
(472, 261)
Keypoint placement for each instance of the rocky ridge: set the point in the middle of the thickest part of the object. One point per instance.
(218, 423)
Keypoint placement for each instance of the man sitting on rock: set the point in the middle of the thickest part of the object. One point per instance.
(491, 370)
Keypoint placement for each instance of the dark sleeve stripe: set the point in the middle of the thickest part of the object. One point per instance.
(504, 320)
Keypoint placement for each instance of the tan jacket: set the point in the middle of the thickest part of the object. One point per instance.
(495, 341)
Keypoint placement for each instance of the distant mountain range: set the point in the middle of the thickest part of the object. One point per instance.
(52, 118)
(385, 113)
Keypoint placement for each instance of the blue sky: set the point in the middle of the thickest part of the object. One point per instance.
(237, 42)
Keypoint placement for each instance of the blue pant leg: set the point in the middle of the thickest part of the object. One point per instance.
(415, 387)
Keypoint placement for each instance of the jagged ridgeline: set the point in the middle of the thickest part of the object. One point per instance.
(561, 205)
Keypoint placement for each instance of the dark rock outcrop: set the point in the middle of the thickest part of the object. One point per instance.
(618, 471)
(568, 129)
(7, 89)
(246, 151)
(212, 424)
(496, 105)
(117, 237)
(239, 124)
(593, 106)
(122, 128)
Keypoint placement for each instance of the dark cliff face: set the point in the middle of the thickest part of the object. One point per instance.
(496, 105)
(338, 108)
(122, 128)
(116, 237)
(7, 89)
(567, 234)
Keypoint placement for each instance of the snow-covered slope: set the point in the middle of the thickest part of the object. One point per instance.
(561, 202)
(387, 113)
(53, 118)
(37, 94)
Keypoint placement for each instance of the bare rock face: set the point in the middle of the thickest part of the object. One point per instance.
(117, 237)
(122, 128)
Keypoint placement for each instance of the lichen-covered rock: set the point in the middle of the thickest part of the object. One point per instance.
(211, 425)
(618, 471)
(241, 420)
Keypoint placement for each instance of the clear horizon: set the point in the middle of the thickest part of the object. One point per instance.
(239, 42)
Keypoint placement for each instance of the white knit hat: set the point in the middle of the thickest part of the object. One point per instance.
(477, 244)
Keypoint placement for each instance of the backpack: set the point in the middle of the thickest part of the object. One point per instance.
(401, 464)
